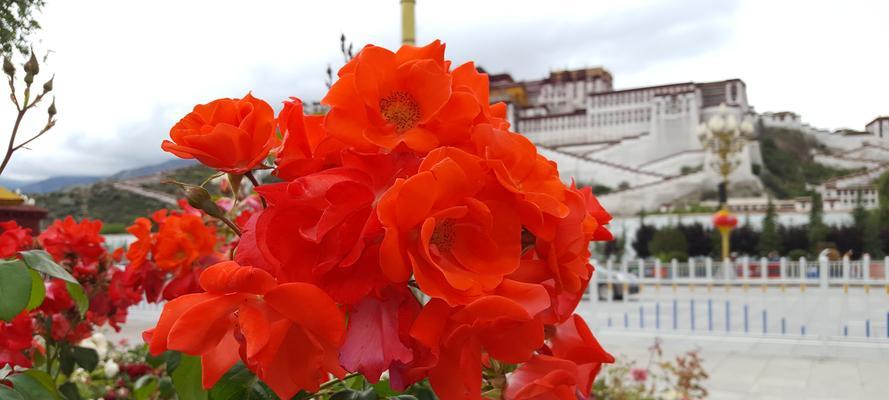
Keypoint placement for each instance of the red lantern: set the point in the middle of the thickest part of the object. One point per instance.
(724, 221)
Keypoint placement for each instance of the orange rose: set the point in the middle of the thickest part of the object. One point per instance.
(231, 135)
(181, 241)
(383, 98)
(306, 147)
(453, 226)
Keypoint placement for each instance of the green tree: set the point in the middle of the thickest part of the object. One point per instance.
(769, 239)
(669, 243)
(868, 225)
(17, 22)
(817, 228)
(643, 237)
(883, 188)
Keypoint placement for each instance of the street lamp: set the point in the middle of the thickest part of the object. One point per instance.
(724, 136)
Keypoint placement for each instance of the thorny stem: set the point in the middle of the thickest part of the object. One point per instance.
(231, 225)
(255, 184)
(11, 147)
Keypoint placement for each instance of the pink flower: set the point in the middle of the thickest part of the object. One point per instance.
(639, 374)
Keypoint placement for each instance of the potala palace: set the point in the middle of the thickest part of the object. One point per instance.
(643, 143)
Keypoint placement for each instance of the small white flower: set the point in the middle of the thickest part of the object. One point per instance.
(111, 369)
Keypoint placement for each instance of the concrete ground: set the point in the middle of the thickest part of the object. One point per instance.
(770, 368)
(815, 344)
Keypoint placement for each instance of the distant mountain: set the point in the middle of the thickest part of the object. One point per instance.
(12, 183)
(58, 183)
(175, 163)
(61, 182)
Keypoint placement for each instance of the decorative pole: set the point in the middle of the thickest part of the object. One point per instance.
(725, 222)
(408, 27)
(723, 136)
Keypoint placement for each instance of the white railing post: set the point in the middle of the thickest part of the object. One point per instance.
(657, 269)
(782, 265)
(824, 271)
(625, 266)
(641, 269)
(886, 269)
(674, 269)
(708, 268)
(803, 269)
(691, 268)
(745, 269)
(847, 266)
(865, 268)
(764, 270)
(726, 264)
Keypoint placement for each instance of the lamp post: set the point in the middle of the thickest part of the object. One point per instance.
(724, 137)
(408, 24)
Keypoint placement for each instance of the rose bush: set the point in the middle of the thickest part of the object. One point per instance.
(414, 237)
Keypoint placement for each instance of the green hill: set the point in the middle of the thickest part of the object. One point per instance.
(789, 165)
(116, 207)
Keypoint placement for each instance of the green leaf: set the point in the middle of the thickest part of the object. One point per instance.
(187, 378)
(40, 260)
(66, 359)
(369, 394)
(35, 384)
(69, 390)
(38, 290)
(235, 384)
(155, 361)
(79, 297)
(87, 358)
(173, 359)
(9, 394)
(350, 394)
(15, 289)
(403, 397)
(166, 388)
(145, 387)
(347, 394)
(383, 389)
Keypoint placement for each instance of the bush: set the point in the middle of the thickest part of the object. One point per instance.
(112, 228)
(795, 254)
(669, 243)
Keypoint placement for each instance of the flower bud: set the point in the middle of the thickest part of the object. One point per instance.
(8, 68)
(31, 68)
(48, 85)
(52, 108)
(199, 198)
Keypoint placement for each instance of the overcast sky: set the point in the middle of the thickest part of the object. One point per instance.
(127, 70)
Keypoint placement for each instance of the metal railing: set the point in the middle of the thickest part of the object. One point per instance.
(746, 271)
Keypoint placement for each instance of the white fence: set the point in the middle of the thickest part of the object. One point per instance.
(746, 271)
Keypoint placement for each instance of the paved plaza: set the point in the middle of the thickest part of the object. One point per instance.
(834, 358)
(770, 368)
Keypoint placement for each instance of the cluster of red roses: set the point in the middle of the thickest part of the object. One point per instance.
(79, 248)
(169, 253)
(451, 247)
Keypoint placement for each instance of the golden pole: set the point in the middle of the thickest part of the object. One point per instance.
(408, 25)
(725, 242)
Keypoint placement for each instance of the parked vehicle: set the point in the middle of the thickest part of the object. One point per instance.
(619, 281)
